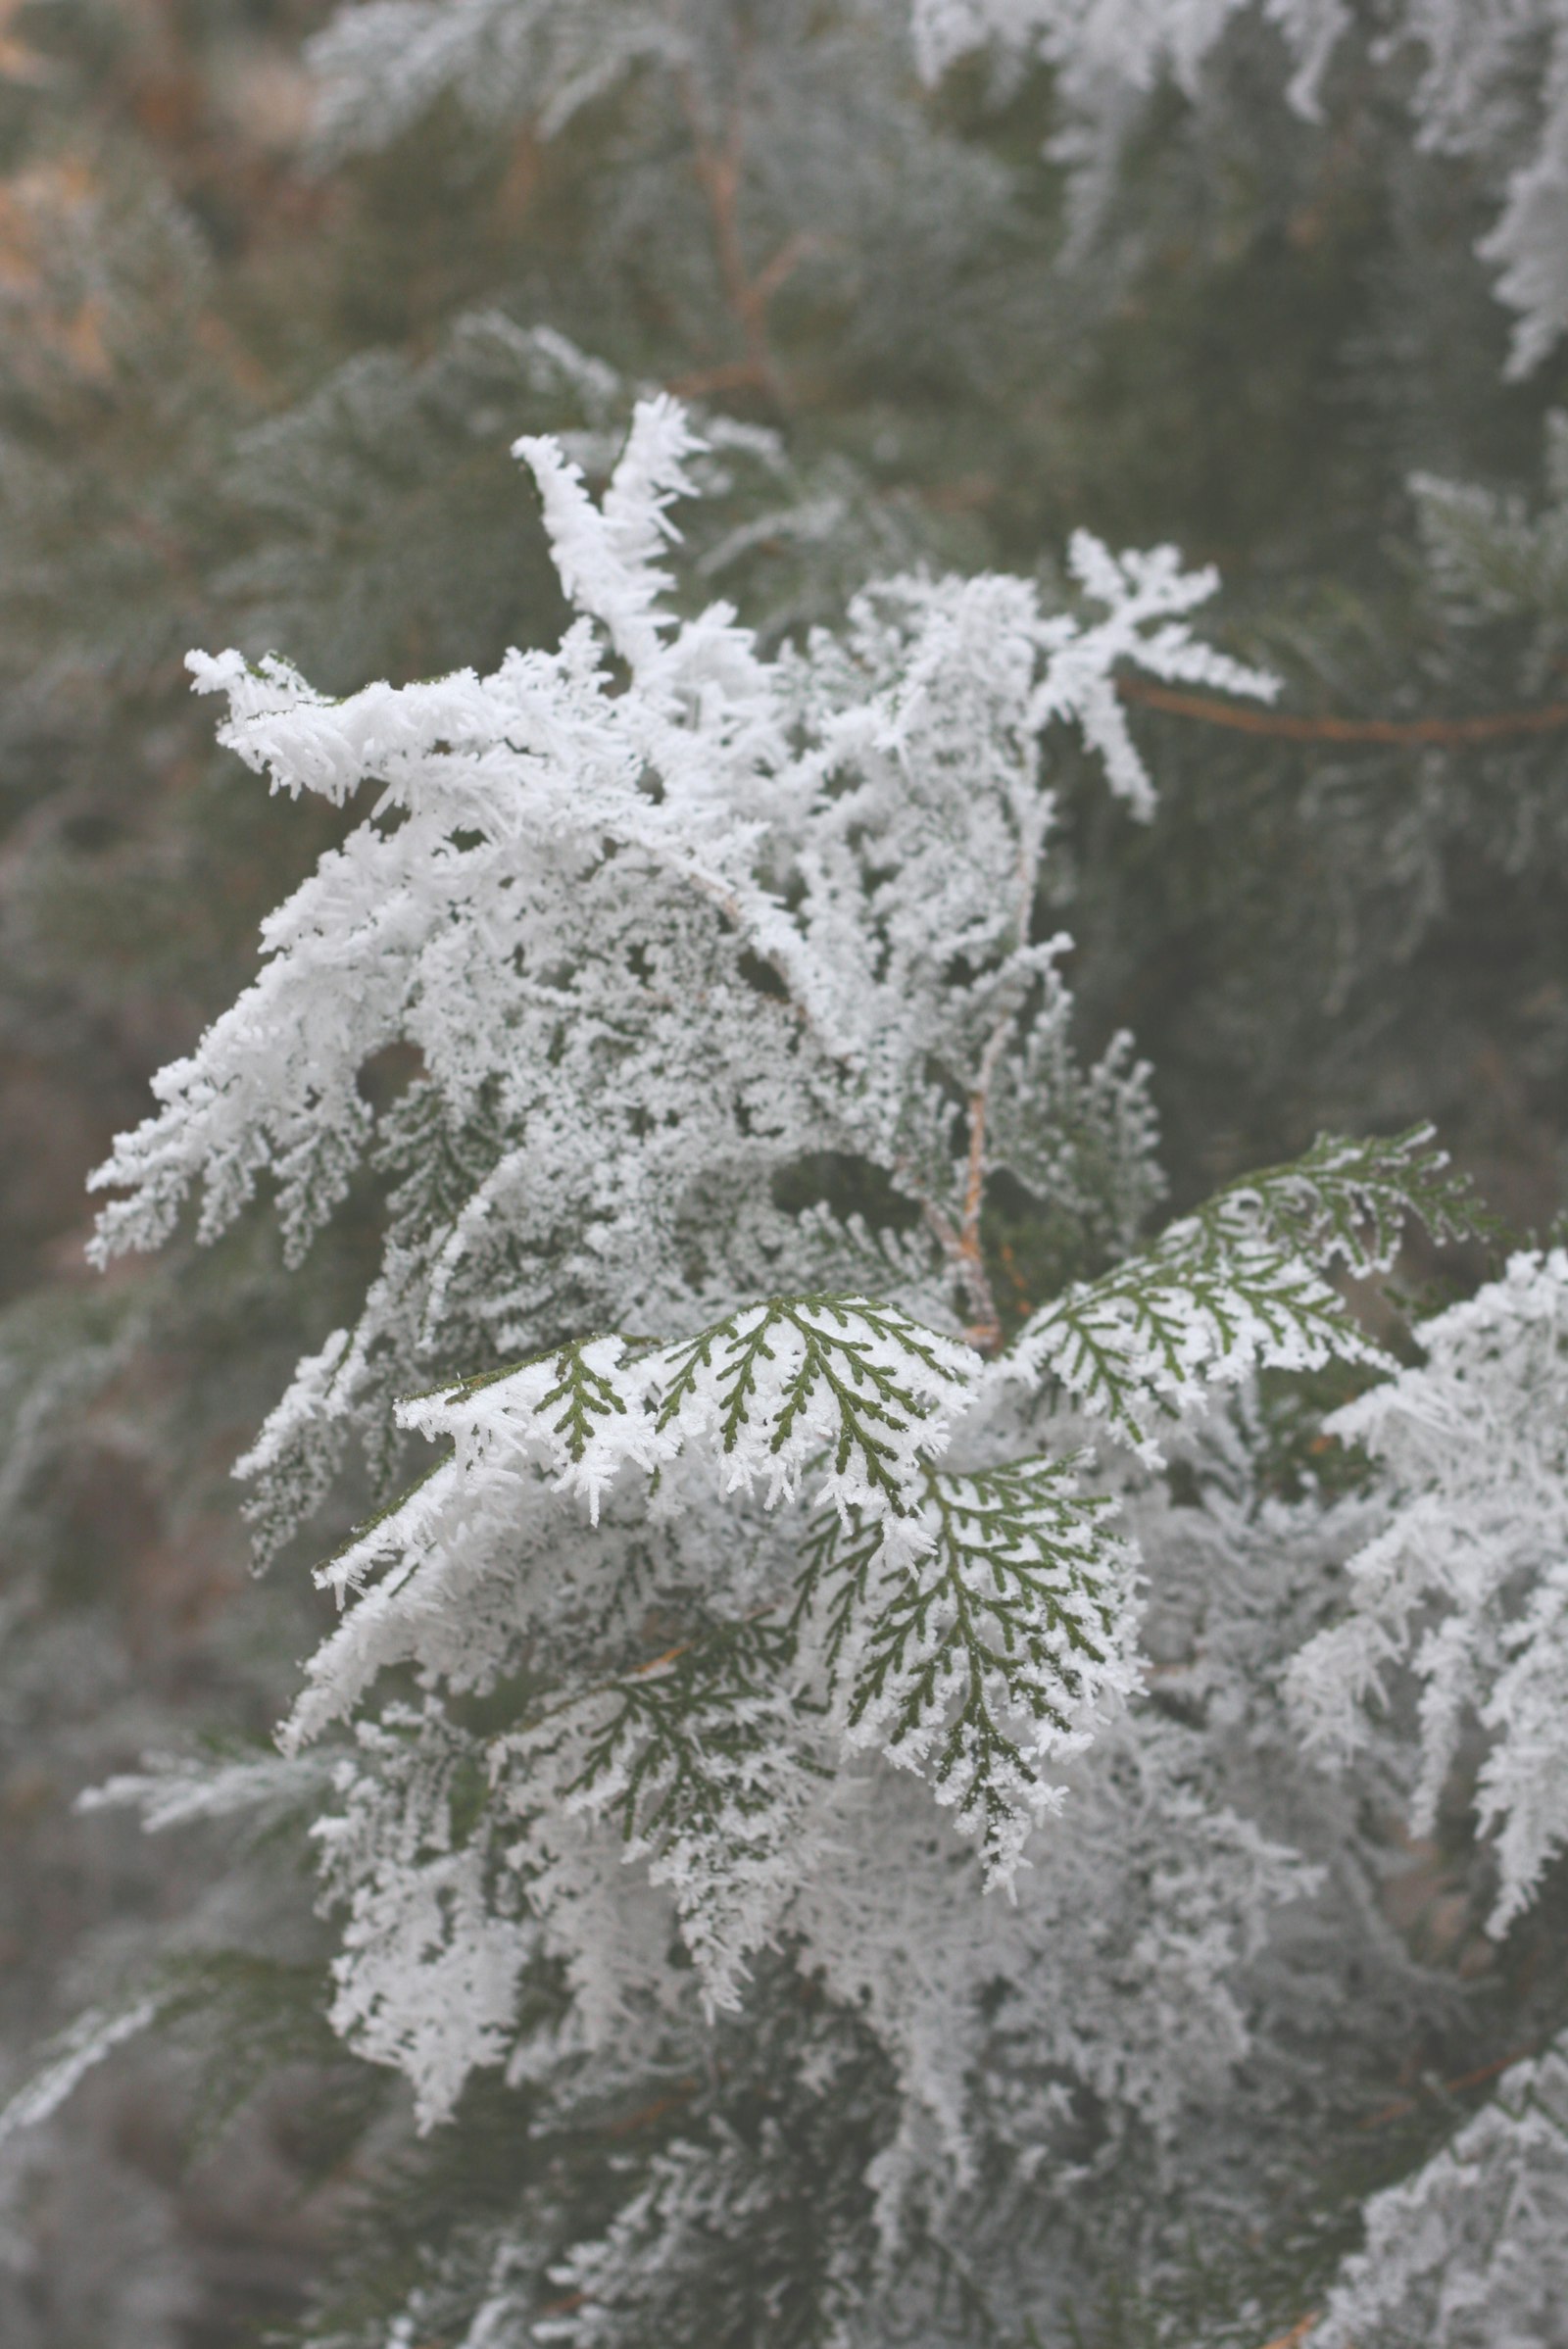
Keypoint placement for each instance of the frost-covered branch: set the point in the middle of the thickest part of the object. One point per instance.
(1467, 1588)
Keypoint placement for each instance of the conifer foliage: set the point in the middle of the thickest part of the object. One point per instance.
(1489, 84)
(899, 1743)
(666, 921)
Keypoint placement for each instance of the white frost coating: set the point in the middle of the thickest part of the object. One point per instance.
(427, 1971)
(173, 1791)
(1472, 2251)
(750, 1565)
(527, 817)
(974, 1628)
(1236, 1288)
(799, 1367)
(1467, 1588)
(378, 67)
(608, 558)
(1527, 245)
(79, 2050)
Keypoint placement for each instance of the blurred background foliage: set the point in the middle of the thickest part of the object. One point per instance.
(267, 330)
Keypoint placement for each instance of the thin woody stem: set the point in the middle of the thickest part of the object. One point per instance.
(963, 1254)
(960, 1243)
(701, 384)
(1449, 2088)
(718, 170)
(986, 1334)
(1453, 733)
(1295, 2333)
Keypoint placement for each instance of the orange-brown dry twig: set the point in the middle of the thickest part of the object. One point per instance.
(961, 1242)
(646, 2114)
(1297, 2334)
(1401, 2105)
(718, 168)
(986, 1334)
(1280, 725)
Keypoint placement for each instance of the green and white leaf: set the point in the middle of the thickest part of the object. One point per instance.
(980, 1641)
(857, 1391)
(1240, 1285)
(698, 1759)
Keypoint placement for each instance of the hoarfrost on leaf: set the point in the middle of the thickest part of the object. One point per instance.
(1471, 2252)
(1467, 1586)
(757, 1552)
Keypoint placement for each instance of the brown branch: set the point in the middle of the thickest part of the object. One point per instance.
(718, 170)
(1295, 2333)
(1449, 2087)
(1453, 733)
(1010, 1265)
(963, 1254)
(985, 1334)
(672, 1656)
(660, 2110)
(960, 1243)
(731, 374)
(775, 274)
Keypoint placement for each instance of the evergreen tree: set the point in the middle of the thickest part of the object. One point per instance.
(945, 1751)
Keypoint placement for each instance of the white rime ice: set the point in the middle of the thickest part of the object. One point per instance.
(1471, 2252)
(763, 1606)
(1467, 1586)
